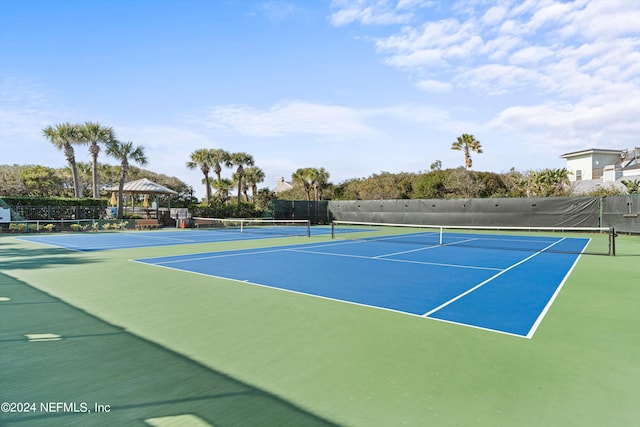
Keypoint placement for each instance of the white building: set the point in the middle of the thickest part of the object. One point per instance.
(599, 168)
(282, 185)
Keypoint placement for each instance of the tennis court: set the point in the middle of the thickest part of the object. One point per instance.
(504, 290)
(260, 329)
(89, 241)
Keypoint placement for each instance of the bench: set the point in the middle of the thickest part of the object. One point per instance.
(197, 223)
(147, 223)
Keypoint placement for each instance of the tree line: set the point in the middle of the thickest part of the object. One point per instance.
(213, 160)
(43, 181)
(66, 136)
(308, 182)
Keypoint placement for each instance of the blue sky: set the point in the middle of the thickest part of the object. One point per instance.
(355, 86)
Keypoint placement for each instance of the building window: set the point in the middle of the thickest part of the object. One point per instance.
(578, 175)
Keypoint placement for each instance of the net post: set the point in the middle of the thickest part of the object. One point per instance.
(308, 228)
(441, 235)
(612, 241)
(333, 230)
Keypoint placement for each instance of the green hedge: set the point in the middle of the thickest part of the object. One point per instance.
(226, 210)
(54, 201)
(43, 208)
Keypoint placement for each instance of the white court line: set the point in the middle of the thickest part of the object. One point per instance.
(425, 248)
(244, 252)
(395, 260)
(543, 313)
(226, 254)
(339, 300)
(441, 306)
(53, 245)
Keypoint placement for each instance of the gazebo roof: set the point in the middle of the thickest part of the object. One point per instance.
(143, 186)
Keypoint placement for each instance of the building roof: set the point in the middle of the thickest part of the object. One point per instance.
(589, 185)
(591, 151)
(631, 167)
(282, 185)
(143, 186)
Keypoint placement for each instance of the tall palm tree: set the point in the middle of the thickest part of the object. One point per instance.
(63, 136)
(95, 134)
(219, 157)
(253, 176)
(467, 143)
(203, 159)
(245, 188)
(84, 177)
(319, 179)
(125, 151)
(304, 177)
(240, 160)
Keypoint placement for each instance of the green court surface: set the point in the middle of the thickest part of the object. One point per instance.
(81, 331)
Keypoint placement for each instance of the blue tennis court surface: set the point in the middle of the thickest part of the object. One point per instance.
(139, 239)
(503, 290)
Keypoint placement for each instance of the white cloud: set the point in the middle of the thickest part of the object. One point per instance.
(370, 12)
(566, 49)
(599, 121)
(495, 79)
(434, 86)
(530, 55)
(493, 15)
(413, 4)
(605, 20)
(500, 47)
(566, 72)
(26, 109)
(294, 117)
(548, 14)
(426, 58)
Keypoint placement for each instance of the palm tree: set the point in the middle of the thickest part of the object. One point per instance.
(222, 187)
(304, 177)
(219, 157)
(467, 143)
(95, 134)
(319, 178)
(547, 183)
(125, 151)
(203, 159)
(556, 181)
(633, 187)
(240, 160)
(253, 176)
(84, 177)
(245, 188)
(63, 136)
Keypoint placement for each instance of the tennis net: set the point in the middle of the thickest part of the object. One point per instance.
(289, 227)
(581, 240)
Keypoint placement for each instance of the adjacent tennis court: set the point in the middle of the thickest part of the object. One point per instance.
(230, 231)
(504, 290)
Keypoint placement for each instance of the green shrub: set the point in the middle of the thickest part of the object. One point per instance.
(18, 227)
